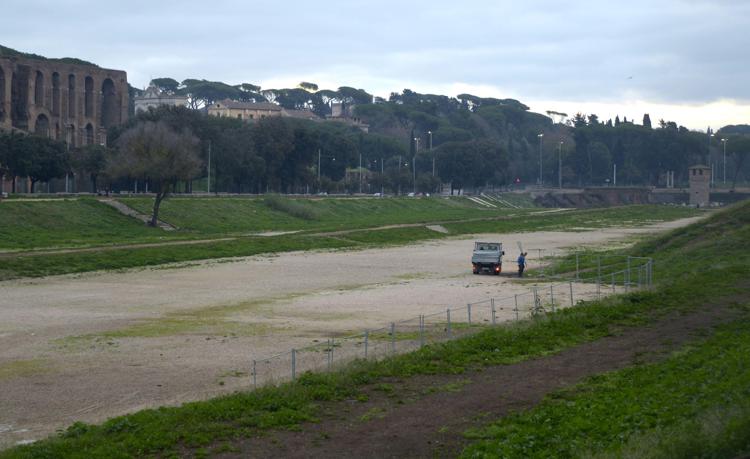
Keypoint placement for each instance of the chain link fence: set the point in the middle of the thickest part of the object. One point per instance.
(609, 275)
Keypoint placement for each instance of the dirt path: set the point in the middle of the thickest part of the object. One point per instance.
(91, 346)
(427, 420)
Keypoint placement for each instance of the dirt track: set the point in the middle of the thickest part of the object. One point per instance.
(87, 347)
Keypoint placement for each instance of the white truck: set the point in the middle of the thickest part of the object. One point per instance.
(487, 257)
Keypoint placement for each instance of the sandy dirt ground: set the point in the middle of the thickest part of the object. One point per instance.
(88, 347)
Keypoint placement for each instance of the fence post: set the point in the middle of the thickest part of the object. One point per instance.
(333, 344)
(468, 312)
(599, 277)
(627, 277)
(570, 284)
(448, 312)
(515, 297)
(650, 272)
(329, 352)
(367, 339)
(640, 269)
(613, 282)
(492, 305)
(255, 373)
(294, 364)
(421, 331)
(577, 275)
(552, 296)
(393, 337)
(537, 303)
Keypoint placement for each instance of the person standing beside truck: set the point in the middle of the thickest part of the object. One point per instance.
(521, 263)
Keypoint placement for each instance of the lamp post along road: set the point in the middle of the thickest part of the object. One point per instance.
(208, 186)
(724, 175)
(429, 133)
(414, 164)
(540, 158)
(559, 165)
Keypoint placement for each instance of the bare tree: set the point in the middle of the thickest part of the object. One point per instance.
(154, 152)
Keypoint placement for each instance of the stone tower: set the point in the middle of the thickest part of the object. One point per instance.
(700, 179)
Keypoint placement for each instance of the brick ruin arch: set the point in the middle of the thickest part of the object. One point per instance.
(70, 136)
(19, 96)
(71, 96)
(110, 115)
(89, 140)
(2, 95)
(88, 97)
(56, 94)
(41, 125)
(39, 89)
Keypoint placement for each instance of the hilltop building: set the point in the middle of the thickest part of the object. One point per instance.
(344, 113)
(244, 110)
(152, 97)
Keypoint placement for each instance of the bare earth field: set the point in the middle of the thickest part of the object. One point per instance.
(91, 346)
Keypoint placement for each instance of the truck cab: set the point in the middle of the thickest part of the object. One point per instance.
(487, 257)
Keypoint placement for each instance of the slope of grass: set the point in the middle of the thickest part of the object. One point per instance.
(29, 224)
(347, 213)
(168, 431)
(238, 215)
(602, 414)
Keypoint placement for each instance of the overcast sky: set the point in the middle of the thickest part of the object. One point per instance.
(682, 60)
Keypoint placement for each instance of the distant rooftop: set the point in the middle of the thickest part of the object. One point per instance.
(249, 105)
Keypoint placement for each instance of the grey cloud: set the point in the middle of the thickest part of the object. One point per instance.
(677, 51)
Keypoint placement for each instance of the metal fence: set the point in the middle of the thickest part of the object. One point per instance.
(610, 275)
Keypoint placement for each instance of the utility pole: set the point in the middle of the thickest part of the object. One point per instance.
(414, 164)
(559, 165)
(540, 158)
(208, 186)
(724, 179)
(433, 155)
(614, 174)
(382, 176)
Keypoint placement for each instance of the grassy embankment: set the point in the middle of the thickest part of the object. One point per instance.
(37, 225)
(646, 403)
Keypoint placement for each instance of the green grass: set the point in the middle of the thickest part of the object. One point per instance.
(243, 215)
(603, 414)
(28, 224)
(167, 432)
(334, 214)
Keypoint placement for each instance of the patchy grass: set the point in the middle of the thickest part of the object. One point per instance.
(638, 407)
(20, 368)
(29, 224)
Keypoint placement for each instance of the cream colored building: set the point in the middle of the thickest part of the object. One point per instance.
(247, 111)
(152, 97)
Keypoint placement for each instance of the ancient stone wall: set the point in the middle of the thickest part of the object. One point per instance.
(69, 102)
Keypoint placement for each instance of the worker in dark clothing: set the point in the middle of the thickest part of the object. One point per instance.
(521, 263)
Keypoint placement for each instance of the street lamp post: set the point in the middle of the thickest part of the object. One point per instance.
(710, 164)
(724, 179)
(414, 164)
(540, 158)
(429, 133)
(559, 165)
